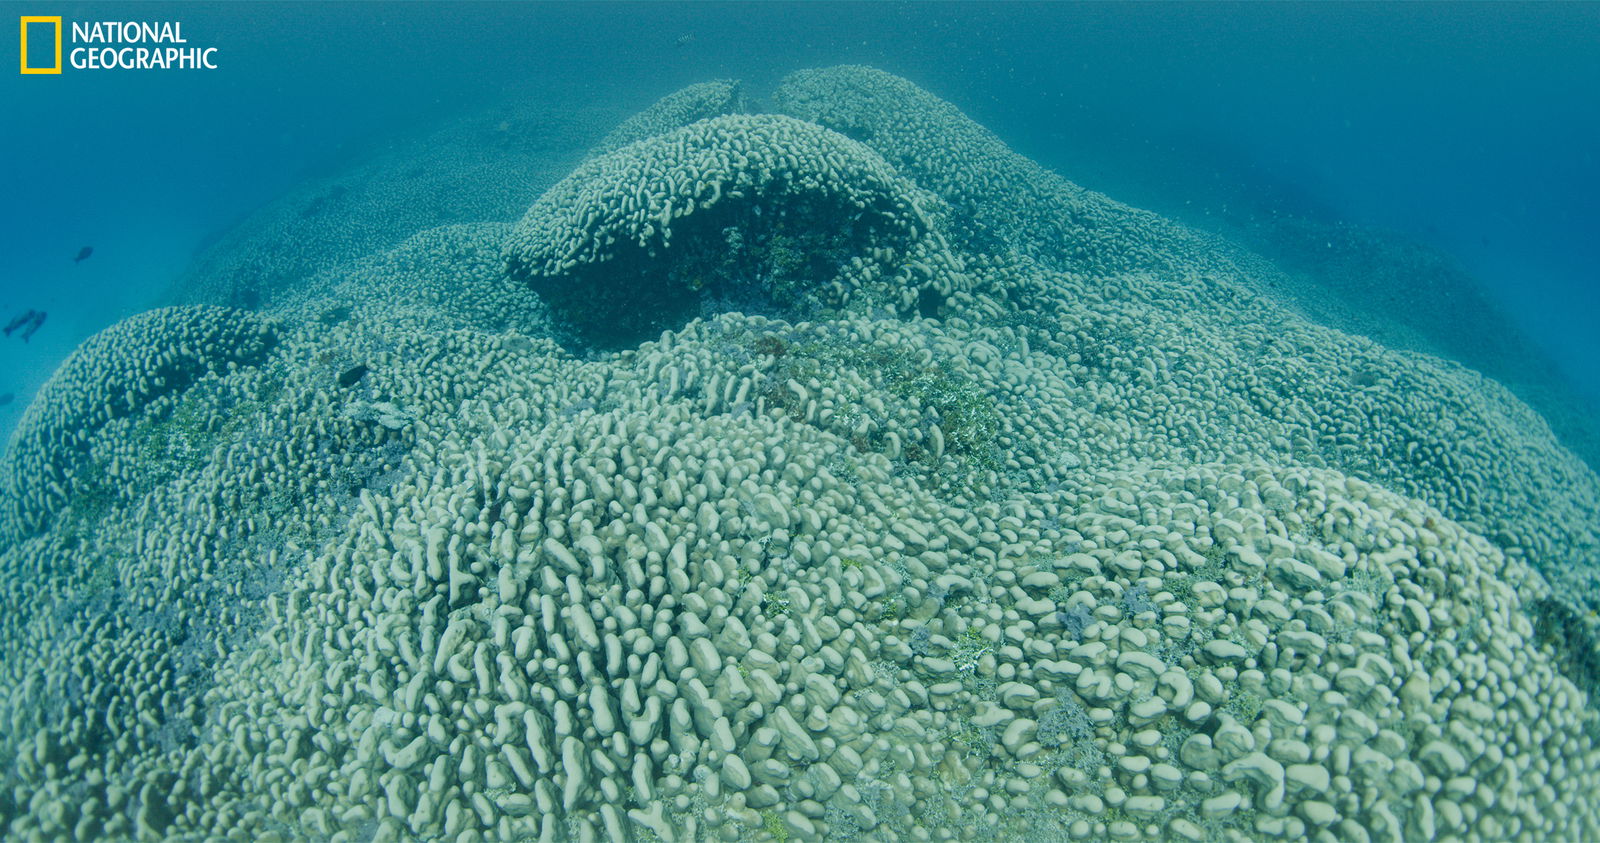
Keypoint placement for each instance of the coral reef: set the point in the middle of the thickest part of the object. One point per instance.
(137, 367)
(438, 279)
(761, 207)
(832, 476)
(687, 105)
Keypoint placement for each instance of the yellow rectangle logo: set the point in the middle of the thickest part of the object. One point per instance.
(33, 70)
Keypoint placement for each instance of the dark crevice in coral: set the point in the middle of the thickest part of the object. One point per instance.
(1577, 653)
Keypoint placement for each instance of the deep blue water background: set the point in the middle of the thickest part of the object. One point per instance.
(1473, 128)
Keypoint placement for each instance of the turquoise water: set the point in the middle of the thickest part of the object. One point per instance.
(850, 422)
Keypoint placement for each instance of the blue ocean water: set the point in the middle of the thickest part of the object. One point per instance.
(1467, 128)
(1077, 534)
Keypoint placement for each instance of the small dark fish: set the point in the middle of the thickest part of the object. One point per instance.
(83, 254)
(6, 398)
(33, 325)
(17, 322)
(353, 376)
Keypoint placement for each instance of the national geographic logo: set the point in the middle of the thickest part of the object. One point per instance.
(39, 23)
(110, 45)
